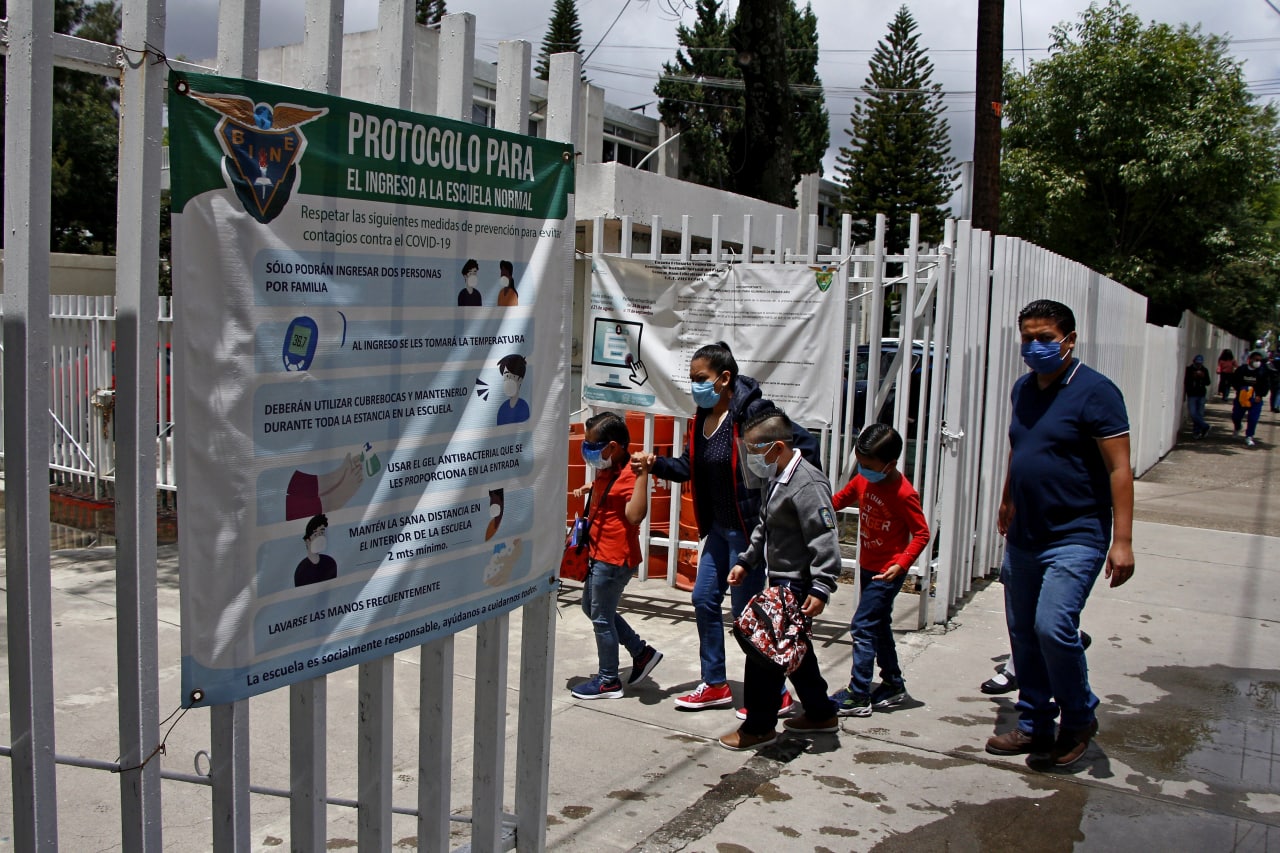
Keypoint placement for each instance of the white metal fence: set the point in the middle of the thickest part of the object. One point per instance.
(61, 360)
(82, 392)
(960, 299)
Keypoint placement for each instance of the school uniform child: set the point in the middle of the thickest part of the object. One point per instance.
(796, 542)
(618, 505)
(892, 533)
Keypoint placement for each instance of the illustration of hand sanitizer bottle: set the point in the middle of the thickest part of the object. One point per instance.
(372, 465)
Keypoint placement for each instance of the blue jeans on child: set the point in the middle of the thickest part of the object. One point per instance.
(600, 596)
(872, 630)
(1240, 413)
(1195, 407)
(720, 552)
(1044, 592)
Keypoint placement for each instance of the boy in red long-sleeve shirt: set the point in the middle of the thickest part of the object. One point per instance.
(892, 533)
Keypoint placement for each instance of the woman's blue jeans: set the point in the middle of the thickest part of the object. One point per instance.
(720, 551)
(1044, 592)
(600, 596)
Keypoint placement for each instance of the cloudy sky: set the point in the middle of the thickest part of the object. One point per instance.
(629, 55)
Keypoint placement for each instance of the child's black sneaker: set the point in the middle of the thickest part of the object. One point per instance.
(643, 664)
(850, 704)
(888, 695)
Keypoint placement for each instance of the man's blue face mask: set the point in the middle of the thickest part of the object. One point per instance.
(1043, 356)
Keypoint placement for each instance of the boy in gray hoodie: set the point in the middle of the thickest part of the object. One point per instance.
(796, 541)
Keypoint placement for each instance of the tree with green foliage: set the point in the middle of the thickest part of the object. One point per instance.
(430, 12)
(759, 37)
(811, 126)
(699, 99)
(703, 97)
(85, 137)
(897, 161)
(1137, 150)
(563, 35)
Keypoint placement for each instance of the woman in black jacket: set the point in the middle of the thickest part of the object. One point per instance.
(726, 509)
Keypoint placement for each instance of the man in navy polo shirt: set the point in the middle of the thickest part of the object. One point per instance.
(1067, 511)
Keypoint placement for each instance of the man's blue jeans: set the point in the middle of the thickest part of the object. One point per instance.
(720, 552)
(1195, 407)
(1044, 592)
(600, 596)
(872, 630)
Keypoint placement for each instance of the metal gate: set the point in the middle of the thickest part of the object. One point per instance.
(33, 52)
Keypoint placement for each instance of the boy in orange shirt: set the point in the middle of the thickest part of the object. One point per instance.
(892, 533)
(618, 505)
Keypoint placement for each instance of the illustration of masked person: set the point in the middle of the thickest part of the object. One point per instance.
(469, 295)
(513, 410)
(317, 566)
(507, 295)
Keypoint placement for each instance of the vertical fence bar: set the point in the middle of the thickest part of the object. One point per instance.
(907, 331)
(137, 338)
(490, 736)
(309, 701)
(229, 773)
(238, 24)
(435, 736)
(538, 634)
(492, 652)
(376, 679)
(457, 61)
(27, 147)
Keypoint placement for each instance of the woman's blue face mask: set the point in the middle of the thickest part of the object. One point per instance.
(705, 395)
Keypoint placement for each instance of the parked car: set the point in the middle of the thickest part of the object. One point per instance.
(888, 351)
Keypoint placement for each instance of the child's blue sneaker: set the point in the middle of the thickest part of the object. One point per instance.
(887, 695)
(850, 704)
(598, 688)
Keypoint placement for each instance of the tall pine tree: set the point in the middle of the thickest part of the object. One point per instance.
(707, 113)
(431, 11)
(563, 34)
(811, 130)
(897, 162)
(702, 96)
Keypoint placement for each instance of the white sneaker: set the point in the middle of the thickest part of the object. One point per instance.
(1248, 441)
(1235, 433)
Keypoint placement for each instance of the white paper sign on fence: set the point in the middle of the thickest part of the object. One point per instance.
(370, 320)
(645, 319)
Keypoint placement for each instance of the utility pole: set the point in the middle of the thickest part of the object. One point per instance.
(986, 123)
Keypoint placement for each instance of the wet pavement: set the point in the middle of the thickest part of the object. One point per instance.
(1184, 660)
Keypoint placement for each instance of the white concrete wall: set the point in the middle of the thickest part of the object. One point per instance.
(611, 190)
(84, 275)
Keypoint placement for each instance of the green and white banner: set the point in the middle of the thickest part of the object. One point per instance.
(369, 329)
(645, 320)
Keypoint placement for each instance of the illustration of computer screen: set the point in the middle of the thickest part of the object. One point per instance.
(615, 344)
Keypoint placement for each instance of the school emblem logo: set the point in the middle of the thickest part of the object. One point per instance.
(263, 148)
(823, 276)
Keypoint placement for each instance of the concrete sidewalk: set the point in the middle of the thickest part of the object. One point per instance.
(1184, 658)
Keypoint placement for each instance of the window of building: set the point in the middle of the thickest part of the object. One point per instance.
(628, 147)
